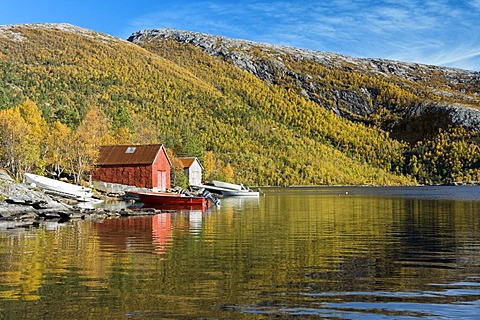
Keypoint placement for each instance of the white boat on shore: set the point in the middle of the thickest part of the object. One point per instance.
(60, 188)
(239, 193)
(228, 189)
(227, 185)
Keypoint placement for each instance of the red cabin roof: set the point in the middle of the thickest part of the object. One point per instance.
(129, 154)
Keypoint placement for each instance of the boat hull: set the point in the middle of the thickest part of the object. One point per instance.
(176, 207)
(239, 193)
(227, 185)
(60, 188)
(166, 199)
(228, 192)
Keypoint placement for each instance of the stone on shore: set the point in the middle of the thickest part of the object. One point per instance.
(22, 205)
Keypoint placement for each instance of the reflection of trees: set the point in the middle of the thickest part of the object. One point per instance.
(430, 238)
(283, 246)
(425, 231)
(32, 258)
(342, 243)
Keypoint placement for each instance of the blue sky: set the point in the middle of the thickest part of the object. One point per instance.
(438, 32)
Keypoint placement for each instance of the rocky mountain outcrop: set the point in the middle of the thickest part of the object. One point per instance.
(442, 96)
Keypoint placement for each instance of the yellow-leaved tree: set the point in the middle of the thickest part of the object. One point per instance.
(145, 130)
(210, 166)
(228, 173)
(13, 140)
(34, 147)
(86, 141)
(58, 147)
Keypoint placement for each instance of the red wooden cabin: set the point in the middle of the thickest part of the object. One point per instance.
(144, 166)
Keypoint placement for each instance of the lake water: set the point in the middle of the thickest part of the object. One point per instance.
(302, 253)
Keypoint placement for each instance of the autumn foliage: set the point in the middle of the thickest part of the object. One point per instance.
(63, 94)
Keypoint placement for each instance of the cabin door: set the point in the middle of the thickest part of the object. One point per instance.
(162, 180)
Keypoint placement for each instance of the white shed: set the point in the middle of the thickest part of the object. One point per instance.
(193, 170)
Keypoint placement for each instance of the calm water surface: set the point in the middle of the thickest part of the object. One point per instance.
(303, 253)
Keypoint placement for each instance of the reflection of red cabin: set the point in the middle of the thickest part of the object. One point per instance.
(144, 166)
(141, 231)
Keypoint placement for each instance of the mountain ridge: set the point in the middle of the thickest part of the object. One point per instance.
(193, 36)
(463, 110)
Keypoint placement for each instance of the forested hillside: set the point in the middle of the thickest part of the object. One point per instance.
(435, 110)
(65, 90)
(407, 99)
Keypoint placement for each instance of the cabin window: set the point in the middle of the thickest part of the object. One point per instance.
(130, 150)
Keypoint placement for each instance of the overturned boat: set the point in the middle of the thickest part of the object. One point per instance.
(60, 188)
(228, 189)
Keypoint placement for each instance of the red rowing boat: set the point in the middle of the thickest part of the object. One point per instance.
(170, 199)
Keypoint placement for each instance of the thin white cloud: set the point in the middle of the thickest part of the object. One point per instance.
(432, 32)
(475, 4)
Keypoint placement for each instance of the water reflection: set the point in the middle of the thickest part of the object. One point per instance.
(195, 219)
(113, 204)
(162, 233)
(345, 253)
(148, 233)
(240, 203)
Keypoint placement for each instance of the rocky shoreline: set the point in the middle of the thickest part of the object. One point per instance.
(22, 206)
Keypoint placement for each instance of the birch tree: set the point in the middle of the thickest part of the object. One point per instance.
(86, 142)
(13, 141)
(34, 145)
(58, 147)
